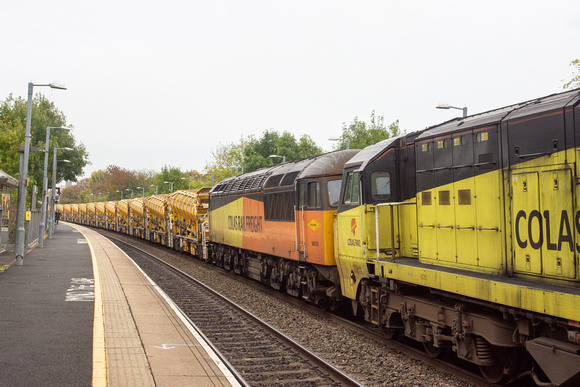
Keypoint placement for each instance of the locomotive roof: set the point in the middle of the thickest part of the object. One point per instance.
(370, 153)
(285, 174)
(493, 117)
(536, 106)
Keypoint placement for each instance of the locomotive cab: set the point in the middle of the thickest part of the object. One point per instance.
(378, 188)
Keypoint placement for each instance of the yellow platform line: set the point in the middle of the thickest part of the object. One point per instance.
(99, 349)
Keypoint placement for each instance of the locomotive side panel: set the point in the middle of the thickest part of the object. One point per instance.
(226, 224)
(266, 236)
(459, 223)
(543, 208)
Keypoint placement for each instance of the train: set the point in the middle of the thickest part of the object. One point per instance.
(463, 236)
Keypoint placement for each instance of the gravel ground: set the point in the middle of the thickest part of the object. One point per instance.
(371, 363)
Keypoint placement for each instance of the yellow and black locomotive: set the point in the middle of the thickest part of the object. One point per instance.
(464, 236)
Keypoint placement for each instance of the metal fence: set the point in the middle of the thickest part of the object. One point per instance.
(32, 227)
(8, 229)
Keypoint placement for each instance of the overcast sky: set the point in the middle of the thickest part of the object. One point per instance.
(153, 83)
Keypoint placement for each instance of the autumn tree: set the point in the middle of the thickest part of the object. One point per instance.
(116, 181)
(78, 193)
(359, 134)
(575, 81)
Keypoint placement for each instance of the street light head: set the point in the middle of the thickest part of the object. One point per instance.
(59, 127)
(282, 157)
(447, 106)
(64, 161)
(58, 86)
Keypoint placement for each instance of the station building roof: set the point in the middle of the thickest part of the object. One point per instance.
(7, 181)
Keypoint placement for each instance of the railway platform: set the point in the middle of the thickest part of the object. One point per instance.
(80, 312)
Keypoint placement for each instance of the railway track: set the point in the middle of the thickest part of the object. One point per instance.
(259, 354)
(463, 370)
(451, 366)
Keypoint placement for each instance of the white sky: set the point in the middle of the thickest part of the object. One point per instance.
(153, 83)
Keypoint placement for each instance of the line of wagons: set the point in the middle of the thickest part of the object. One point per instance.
(177, 220)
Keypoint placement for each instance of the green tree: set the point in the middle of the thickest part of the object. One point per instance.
(144, 179)
(167, 176)
(227, 161)
(257, 152)
(98, 185)
(359, 134)
(44, 113)
(575, 81)
(11, 134)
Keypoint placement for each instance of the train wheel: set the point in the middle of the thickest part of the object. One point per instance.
(390, 333)
(228, 262)
(237, 265)
(277, 276)
(494, 373)
(433, 351)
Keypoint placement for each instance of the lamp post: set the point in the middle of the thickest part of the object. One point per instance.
(20, 209)
(121, 192)
(42, 226)
(143, 190)
(169, 182)
(447, 106)
(282, 157)
(51, 216)
(131, 192)
(188, 183)
(338, 139)
(153, 185)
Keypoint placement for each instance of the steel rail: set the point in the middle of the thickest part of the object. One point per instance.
(321, 364)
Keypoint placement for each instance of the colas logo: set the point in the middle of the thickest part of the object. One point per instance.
(353, 226)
